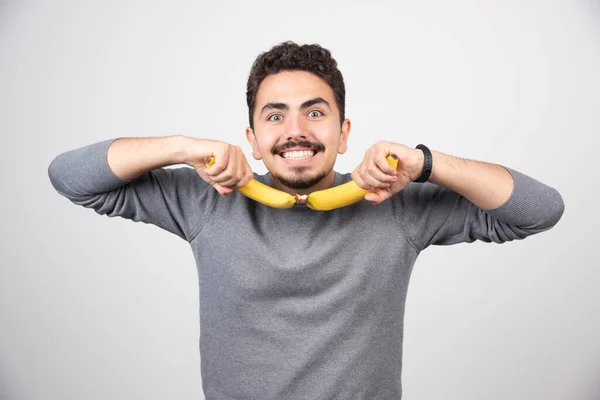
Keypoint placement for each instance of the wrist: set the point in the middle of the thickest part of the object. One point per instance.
(445, 168)
(418, 162)
(180, 149)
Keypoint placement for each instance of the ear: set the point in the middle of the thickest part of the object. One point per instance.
(343, 146)
(252, 140)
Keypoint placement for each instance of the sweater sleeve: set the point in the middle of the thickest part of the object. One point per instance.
(431, 214)
(174, 199)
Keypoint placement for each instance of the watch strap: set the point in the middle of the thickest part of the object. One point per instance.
(427, 164)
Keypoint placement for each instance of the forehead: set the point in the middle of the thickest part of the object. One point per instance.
(293, 88)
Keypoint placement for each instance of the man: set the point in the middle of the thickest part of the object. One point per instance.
(297, 303)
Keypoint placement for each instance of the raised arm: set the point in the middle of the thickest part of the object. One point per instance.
(124, 177)
(463, 200)
(486, 185)
(129, 158)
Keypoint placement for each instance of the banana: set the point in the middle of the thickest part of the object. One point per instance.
(321, 200)
(341, 195)
(262, 193)
(267, 195)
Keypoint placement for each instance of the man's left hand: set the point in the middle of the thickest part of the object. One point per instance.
(375, 173)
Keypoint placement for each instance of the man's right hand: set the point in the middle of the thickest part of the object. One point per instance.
(230, 170)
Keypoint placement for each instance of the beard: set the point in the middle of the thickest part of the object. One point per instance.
(300, 181)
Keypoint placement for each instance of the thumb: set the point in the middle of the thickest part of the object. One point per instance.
(223, 190)
(378, 195)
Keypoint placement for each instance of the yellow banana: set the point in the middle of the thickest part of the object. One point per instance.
(262, 193)
(341, 195)
(321, 200)
(267, 195)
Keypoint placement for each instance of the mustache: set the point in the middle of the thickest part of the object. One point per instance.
(303, 143)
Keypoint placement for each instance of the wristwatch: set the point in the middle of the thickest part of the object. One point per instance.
(427, 164)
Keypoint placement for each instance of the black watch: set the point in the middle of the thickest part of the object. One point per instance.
(427, 165)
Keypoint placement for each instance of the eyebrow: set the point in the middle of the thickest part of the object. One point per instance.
(306, 104)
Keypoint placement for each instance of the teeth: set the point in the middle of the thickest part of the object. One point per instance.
(298, 155)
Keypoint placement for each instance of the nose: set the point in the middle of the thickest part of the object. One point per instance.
(296, 127)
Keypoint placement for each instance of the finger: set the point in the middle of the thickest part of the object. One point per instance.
(207, 179)
(238, 170)
(376, 177)
(378, 196)
(385, 166)
(358, 179)
(240, 178)
(367, 181)
(244, 174)
(223, 191)
(379, 168)
(373, 183)
(246, 178)
(229, 183)
(221, 160)
(224, 177)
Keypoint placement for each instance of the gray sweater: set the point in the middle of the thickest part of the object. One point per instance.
(296, 303)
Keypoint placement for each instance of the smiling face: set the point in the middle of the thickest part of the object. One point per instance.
(297, 131)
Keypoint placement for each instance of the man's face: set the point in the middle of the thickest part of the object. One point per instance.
(297, 130)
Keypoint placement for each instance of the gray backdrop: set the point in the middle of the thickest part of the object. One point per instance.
(101, 308)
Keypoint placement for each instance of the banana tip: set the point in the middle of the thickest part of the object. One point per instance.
(301, 198)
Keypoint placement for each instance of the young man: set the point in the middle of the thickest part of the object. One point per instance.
(297, 303)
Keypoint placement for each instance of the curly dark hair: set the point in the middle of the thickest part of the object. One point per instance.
(289, 56)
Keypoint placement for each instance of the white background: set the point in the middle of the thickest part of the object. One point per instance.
(99, 308)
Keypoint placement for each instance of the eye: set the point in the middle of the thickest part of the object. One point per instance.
(315, 113)
(272, 117)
